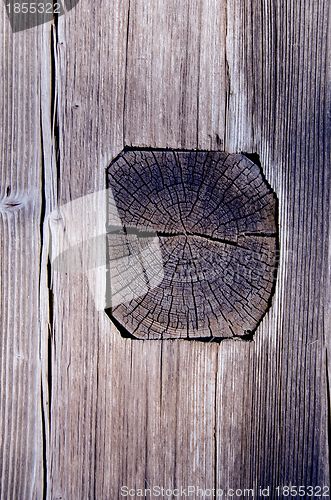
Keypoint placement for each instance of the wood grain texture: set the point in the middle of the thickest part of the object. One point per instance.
(206, 266)
(21, 443)
(185, 74)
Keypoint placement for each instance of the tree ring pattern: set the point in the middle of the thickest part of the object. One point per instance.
(215, 217)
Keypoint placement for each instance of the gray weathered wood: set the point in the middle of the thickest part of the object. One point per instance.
(184, 74)
(21, 207)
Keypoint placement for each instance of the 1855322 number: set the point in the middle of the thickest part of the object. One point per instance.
(303, 491)
(24, 14)
(34, 8)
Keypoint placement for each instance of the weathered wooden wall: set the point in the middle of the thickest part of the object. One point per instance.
(84, 411)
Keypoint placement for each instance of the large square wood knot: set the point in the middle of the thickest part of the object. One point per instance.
(203, 228)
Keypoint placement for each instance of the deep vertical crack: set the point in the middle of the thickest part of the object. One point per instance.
(126, 70)
(50, 159)
(54, 97)
(43, 402)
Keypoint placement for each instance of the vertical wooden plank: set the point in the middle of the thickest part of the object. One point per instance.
(230, 415)
(89, 56)
(21, 441)
(278, 110)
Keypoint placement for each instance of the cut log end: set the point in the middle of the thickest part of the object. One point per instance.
(196, 256)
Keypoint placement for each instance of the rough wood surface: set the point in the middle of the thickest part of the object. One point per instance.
(21, 444)
(213, 217)
(183, 74)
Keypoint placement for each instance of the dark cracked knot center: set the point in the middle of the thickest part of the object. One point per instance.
(196, 255)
